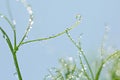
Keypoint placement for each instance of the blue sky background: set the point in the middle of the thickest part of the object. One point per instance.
(51, 17)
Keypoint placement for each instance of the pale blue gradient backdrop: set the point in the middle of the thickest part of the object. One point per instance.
(51, 17)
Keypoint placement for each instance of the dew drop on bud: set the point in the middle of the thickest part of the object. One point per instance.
(78, 17)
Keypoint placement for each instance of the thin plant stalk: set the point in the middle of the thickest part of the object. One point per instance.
(79, 48)
(14, 47)
(17, 66)
(115, 55)
(81, 62)
(54, 36)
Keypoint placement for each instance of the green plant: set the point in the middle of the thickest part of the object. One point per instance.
(81, 73)
(14, 47)
(115, 70)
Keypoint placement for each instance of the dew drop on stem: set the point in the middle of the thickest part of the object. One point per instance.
(16, 75)
(14, 22)
(29, 10)
(30, 27)
(104, 65)
(48, 77)
(31, 22)
(4, 36)
(26, 37)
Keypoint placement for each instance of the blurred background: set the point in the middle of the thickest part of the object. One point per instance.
(51, 17)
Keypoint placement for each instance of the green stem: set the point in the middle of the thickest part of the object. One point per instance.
(81, 62)
(80, 49)
(50, 37)
(110, 57)
(17, 66)
(99, 71)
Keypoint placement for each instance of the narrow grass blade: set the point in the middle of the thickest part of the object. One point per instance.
(110, 57)
(82, 65)
(7, 39)
(9, 22)
(80, 49)
(9, 9)
(12, 26)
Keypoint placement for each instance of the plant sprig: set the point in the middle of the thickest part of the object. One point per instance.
(82, 53)
(15, 47)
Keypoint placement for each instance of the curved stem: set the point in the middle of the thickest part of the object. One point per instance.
(110, 57)
(17, 66)
(54, 36)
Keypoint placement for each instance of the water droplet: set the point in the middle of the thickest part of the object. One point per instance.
(31, 22)
(16, 75)
(82, 50)
(78, 17)
(85, 67)
(29, 30)
(70, 59)
(26, 37)
(80, 74)
(51, 70)
(4, 36)
(65, 64)
(2, 16)
(82, 70)
(48, 77)
(81, 35)
(30, 27)
(29, 10)
(107, 27)
(14, 22)
(104, 65)
(80, 55)
(62, 60)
